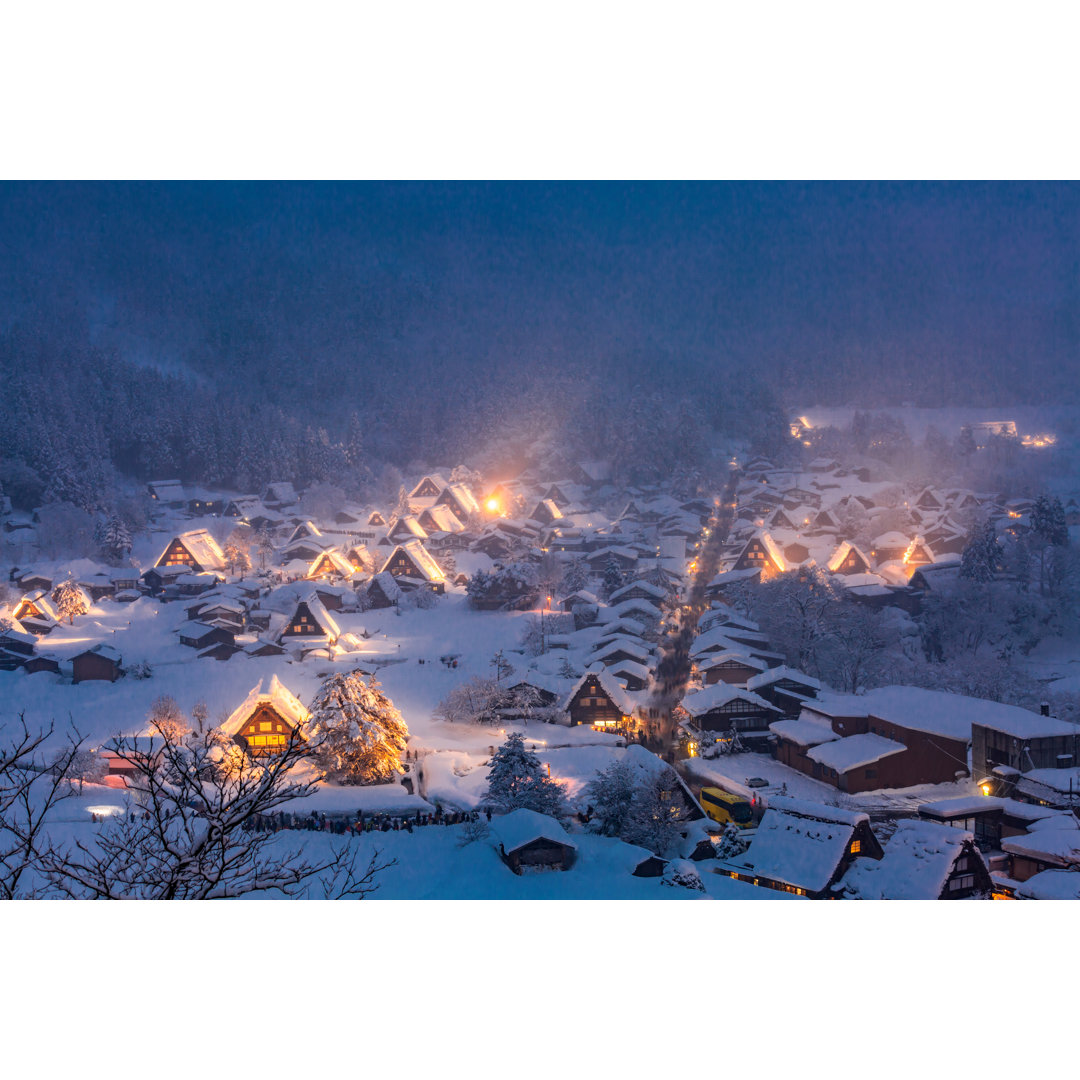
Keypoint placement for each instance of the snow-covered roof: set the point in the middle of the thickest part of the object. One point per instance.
(1057, 841)
(719, 694)
(331, 560)
(465, 498)
(1040, 783)
(854, 751)
(647, 586)
(388, 584)
(615, 690)
(800, 843)
(421, 559)
(621, 644)
(772, 675)
(918, 860)
(521, 827)
(277, 697)
(319, 613)
(719, 638)
(203, 548)
(804, 732)
(1051, 885)
(938, 712)
(841, 553)
(712, 660)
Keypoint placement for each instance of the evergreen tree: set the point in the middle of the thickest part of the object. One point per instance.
(116, 539)
(70, 600)
(516, 780)
(1048, 521)
(357, 735)
(982, 556)
(576, 577)
(264, 547)
(1048, 530)
(965, 444)
(613, 577)
(610, 794)
(656, 816)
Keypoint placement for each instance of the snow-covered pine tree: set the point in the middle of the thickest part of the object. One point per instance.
(657, 813)
(402, 508)
(1048, 521)
(613, 576)
(70, 600)
(116, 540)
(516, 780)
(264, 547)
(982, 555)
(732, 843)
(357, 734)
(576, 577)
(610, 794)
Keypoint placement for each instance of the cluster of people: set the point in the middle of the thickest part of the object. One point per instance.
(316, 822)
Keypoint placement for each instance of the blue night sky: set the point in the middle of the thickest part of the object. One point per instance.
(978, 281)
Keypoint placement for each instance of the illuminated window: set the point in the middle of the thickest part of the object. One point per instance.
(856, 847)
(265, 725)
(258, 740)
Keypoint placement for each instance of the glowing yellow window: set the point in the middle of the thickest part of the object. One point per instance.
(258, 740)
(265, 725)
(856, 847)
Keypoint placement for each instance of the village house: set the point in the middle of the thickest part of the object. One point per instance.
(102, 662)
(167, 493)
(804, 848)
(989, 818)
(197, 550)
(331, 565)
(921, 861)
(722, 707)
(36, 614)
(1005, 735)
(310, 622)
(599, 700)
(382, 591)
(786, 688)
(413, 566)
(460, 500)
(891, 737)
(1052, 844)
(265, 723)
(761, 553)
(733, 668)
(524, 838)
(200, 635)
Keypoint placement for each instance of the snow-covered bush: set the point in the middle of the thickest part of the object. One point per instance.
(683, 874)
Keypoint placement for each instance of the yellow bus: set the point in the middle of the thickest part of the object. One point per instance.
(723, 807)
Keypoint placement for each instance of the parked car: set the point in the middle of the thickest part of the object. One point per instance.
(756, 781)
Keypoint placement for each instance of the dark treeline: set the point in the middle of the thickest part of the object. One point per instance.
(98, 416)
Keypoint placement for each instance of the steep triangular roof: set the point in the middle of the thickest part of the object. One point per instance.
(278, 697)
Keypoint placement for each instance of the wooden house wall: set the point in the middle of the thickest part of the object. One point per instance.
(91, 666)
(592, 705)
(540, 852)
(178, 555)
(265, 732)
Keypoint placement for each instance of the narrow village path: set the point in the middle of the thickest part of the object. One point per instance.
(673, 669)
